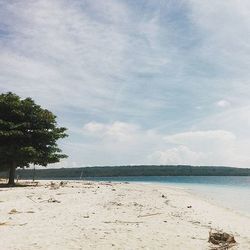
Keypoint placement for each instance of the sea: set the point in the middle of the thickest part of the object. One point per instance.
(232, 192)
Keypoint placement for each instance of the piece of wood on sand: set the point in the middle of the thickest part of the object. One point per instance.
(221, 239)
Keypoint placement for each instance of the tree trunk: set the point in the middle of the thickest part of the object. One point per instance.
(12, 174)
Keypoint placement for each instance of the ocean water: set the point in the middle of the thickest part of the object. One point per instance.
(231, 192)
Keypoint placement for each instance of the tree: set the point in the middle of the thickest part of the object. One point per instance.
(28, 135)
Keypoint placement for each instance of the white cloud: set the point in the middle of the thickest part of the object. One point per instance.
(120, 140)
(223, 104)
(176, 155)
(95, 127)
(206, 139)
(235, 120)
(215, 147)
(119, 131)
(114, 143)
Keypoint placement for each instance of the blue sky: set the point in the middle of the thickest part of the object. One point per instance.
(136, 82)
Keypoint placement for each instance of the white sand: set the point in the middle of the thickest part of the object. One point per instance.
(112, 216)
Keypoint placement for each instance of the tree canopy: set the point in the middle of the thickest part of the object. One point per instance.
(28, 134)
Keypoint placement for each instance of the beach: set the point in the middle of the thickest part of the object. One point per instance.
(104, 215)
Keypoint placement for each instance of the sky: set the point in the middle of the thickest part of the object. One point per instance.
(135, 82)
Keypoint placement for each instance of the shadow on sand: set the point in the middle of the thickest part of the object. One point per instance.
(4, 184)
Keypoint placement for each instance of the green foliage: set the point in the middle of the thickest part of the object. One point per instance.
(117, 171)
(28, 133)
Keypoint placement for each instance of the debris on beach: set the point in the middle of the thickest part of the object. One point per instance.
(116, 203)
(53, 185)
(123, 222)
(30, 212)
(146, 215)
(22, 224)
(63, 183)
(221, 239)
(52, 200)
(30, 198)
(14, 211)
(166, 199)
(166, 202)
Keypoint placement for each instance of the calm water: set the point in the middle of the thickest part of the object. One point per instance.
(228, 191)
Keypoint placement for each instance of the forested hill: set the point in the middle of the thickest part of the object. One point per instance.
(170, 170)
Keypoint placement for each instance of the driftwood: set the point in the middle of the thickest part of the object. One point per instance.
(30, 212)
(29, 197)
(51, 200)
(123, 222)
(222, 240)
(146, 215)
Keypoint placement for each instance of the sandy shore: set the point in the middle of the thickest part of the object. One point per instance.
(89, 215)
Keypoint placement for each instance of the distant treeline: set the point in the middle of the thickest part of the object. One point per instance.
(170, 170)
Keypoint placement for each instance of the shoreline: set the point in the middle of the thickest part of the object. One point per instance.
(195, 194)
(103, 215)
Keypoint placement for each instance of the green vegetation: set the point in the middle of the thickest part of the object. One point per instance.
(28, 135)
(76, 173)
